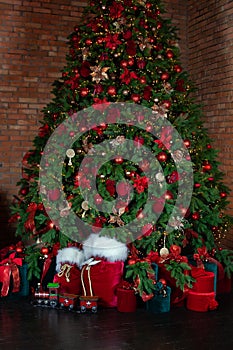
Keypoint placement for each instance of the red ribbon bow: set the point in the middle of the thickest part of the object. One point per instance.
(8, 268)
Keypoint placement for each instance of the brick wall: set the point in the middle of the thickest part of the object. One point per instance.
(210, 52)
(33, 48)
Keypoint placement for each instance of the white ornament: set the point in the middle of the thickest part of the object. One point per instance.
(70, 154)
(164, 252)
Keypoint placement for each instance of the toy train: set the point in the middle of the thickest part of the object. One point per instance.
(53, 298)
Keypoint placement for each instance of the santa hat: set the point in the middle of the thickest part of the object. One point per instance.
(70, 255)
(104, 247)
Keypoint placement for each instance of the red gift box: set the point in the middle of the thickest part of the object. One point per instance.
(204, 280)
(126, 300)
(201, 302)
(10, 268)
(101, 278)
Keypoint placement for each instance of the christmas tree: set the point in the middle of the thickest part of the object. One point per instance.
(122, 150)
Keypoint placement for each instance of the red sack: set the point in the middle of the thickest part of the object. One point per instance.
(101, 279)
(69, 279)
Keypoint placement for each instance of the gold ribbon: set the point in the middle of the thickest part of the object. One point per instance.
(65, 270)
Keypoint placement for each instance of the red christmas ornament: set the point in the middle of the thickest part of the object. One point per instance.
(168, 195)
(141, 63)
(112, 90)
(223, 194)
(84, 91)
(135, 97)
(187, 143)
(124, 63)
(163, 281)
(24, 191)
(19, 249)
(143, 80)
(162, 156)
(195, 216)
(211, 178)
(131, 61)
(123, 188)
(177, 68)
(169, 54)
(167, 104)
(165, 76)
(44, 250)
(209, 146)
(54, 194)
(157, 207)
(206, 166)
(197, 185)
(88, 41)
(159, 25)
(119, 160)
(98, 199)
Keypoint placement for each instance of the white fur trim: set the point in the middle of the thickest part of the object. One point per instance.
(71, 255)
(104, 247)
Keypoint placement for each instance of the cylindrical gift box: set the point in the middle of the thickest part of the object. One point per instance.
(126, 300)
(201, 301)
(159, 303)
(205, 283)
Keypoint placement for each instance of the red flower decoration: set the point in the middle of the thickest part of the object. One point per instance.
(116, 10)
(112, 41)
(140, 183)
(127, 76)
(111, 187)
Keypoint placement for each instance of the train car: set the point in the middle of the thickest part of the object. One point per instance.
(41, 298)
(88, 303)
(68, 301)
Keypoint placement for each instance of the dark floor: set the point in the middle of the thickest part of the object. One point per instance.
(27, 327)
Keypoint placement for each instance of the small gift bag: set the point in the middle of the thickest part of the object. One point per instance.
(126, 298)
(160, 303)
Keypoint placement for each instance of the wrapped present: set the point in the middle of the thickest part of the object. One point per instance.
(212, 267)
(204, 280)
(201, 302)
(104, 266)
(178, 296)
(24, 282)
(9, 271)
(68, 267)
(126, 297)
(160, 303)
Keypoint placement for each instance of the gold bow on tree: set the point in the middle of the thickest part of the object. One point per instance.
(116, 218)
(99, 73)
